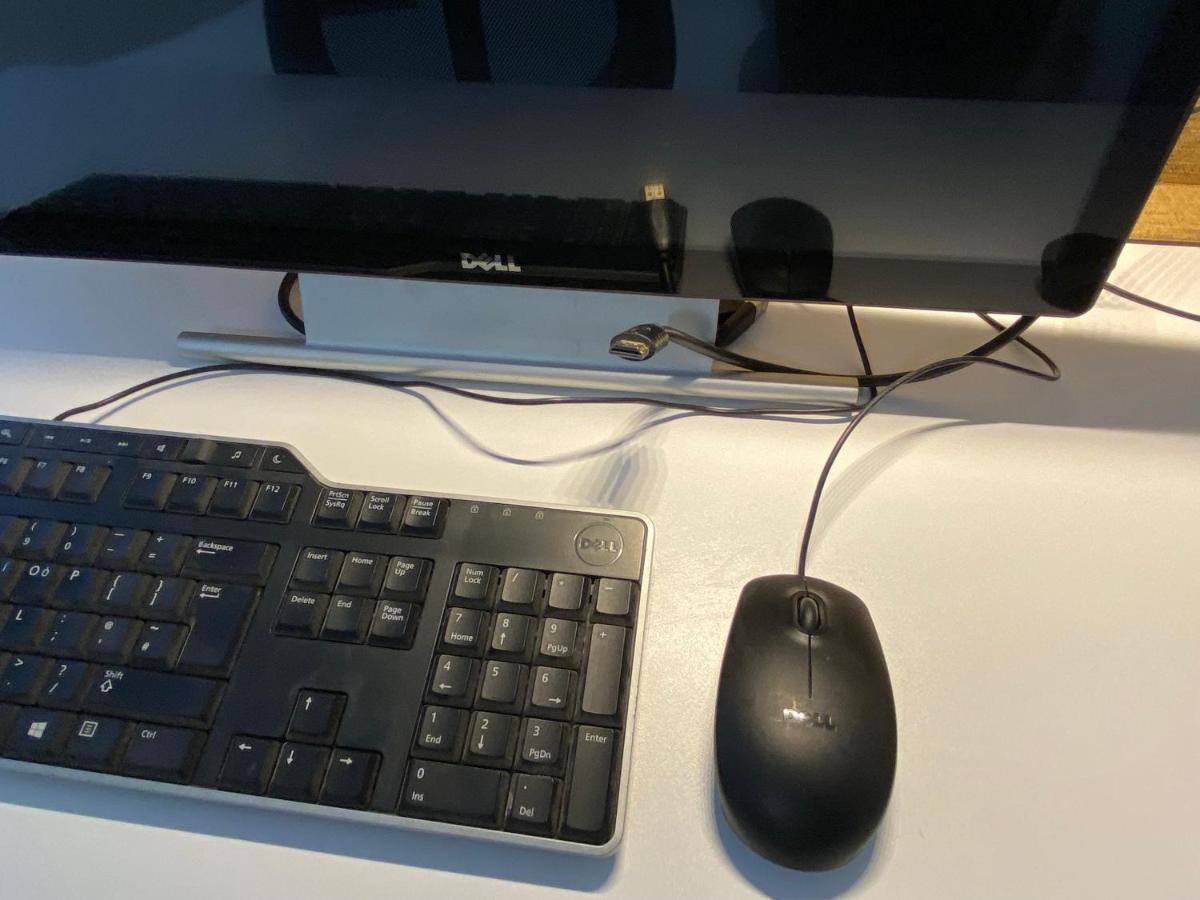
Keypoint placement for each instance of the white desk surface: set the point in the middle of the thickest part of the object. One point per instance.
(1028, 554)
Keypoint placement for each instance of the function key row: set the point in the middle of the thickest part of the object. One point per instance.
(384, 513)
(199, 451)
(49, 479)
(230, 498)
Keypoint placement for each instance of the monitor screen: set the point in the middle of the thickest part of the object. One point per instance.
(937, 154)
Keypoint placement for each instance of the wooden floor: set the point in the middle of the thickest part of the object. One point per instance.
(1173, 211)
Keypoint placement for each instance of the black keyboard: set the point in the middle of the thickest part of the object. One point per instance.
(207, 612)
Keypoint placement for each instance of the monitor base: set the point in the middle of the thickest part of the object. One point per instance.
(528, 338)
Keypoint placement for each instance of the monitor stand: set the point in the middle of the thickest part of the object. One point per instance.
(504, 336)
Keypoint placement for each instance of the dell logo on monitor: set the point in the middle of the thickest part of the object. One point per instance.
(489, 263)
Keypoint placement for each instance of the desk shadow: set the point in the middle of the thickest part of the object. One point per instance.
(459, 855)
(776, 881)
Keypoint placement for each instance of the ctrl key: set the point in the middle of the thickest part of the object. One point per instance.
(166, 754)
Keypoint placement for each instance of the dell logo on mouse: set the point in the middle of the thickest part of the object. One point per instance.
(811, 720)
(487, 262)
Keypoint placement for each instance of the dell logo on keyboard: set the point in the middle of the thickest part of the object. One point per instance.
(489, 263)
(599, 544)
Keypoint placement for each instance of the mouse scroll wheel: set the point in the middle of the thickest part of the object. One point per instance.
(808, 614)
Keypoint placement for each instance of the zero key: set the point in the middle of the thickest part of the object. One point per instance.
(461, 793)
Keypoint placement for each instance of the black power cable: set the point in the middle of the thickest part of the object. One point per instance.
(285, 301)
(1151, 304)
(861, 345)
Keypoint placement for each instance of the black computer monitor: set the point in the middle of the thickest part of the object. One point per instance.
(944, 154)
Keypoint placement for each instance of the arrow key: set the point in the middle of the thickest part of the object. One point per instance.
(316, 716)
(248, 764)
(299, 772)
(350, 778)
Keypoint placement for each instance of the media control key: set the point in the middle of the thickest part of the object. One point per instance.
(277, 459)
(12, 432)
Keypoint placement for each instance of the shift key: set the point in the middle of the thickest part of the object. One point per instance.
(230, 559)
(156, 696)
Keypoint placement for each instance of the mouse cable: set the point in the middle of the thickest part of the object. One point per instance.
(952, 364)
(1151, 304)
(799, 408)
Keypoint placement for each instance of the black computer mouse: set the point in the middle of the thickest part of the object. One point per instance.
(806, 724)
(782, 248)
